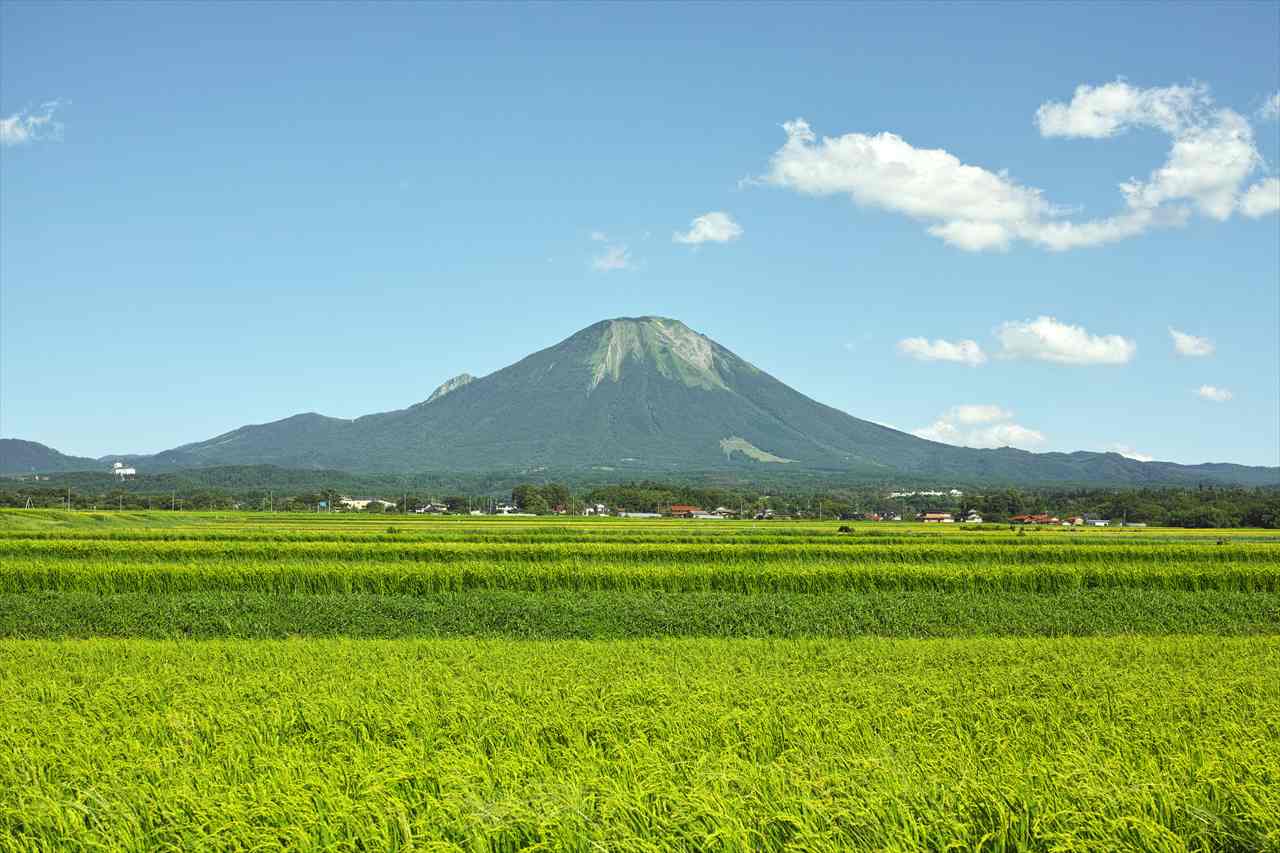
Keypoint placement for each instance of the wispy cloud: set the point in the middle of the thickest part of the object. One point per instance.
(1270, 109)
(980, 425)
(1047, 339)
(1217, 395)
(599, 236)
(27, 126)
(976, 209)
(962, 352)
(613, 258)
(1190, 345)
(714, 227)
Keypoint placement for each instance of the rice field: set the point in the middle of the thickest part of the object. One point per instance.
(174, 681)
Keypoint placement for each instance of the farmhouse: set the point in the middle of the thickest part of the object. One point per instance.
(684, 510)
(973, 517)
(937, 518)
(1038, 518)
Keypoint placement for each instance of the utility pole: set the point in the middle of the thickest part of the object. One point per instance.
(68, 499)
(173, 502)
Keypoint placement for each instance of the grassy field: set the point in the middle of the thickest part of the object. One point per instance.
(173, 681)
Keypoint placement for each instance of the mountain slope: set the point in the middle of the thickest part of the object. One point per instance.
(648, 395)
(24, 457)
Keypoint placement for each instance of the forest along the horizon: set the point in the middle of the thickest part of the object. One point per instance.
(235, 681)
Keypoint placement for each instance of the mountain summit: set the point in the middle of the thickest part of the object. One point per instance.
(646, 395)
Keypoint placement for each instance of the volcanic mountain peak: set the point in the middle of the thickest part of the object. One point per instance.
(677, 351)
(659, 398)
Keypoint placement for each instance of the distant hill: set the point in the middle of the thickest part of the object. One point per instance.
(27, 457)
(649, 395)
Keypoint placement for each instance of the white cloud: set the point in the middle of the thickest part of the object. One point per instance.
(1217, 395)
(963, 352)
(714, 227)
(980, 425)
(613, 258)
(1047, 339)
(1129, 453)
(1261, 198)
(599, 236)
(975, 209)
(24, 126)
(1190, 345)
(1270, 108)
(1206, 167)
(977, 413)
(1096, 112)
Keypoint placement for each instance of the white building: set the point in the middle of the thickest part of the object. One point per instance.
(123, 471)
(363, 503)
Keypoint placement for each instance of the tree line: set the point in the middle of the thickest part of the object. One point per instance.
(1205, 506)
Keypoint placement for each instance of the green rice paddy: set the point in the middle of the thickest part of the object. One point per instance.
(173, 681)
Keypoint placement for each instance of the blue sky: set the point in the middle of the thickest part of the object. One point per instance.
(226, 214)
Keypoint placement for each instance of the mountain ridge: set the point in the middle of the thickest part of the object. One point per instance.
(643, 394)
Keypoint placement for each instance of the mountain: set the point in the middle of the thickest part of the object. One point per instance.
(25, 457)
(648, 395)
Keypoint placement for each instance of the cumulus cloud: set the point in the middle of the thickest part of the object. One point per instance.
(714, 227)
(976, 209)
(1217, 395)
(25, 126)
(1047, 339)
(964, 352)
(1261, 198)
(1270, 108)
(1096, 112)
(1129, 453)
(978, 413)
(613, 258)
(980, 425)
(1190, 345)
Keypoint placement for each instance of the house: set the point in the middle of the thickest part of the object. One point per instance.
(936, 518)
(123, 471)
(725, 512)
(1074, 521)
(973, 517)
(763, 514)
(504, 509)
(1094, 521)
(1038, 518)
(432, 508)
(595, 509)
(706, 515)
(684, 510)
(639, 515)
